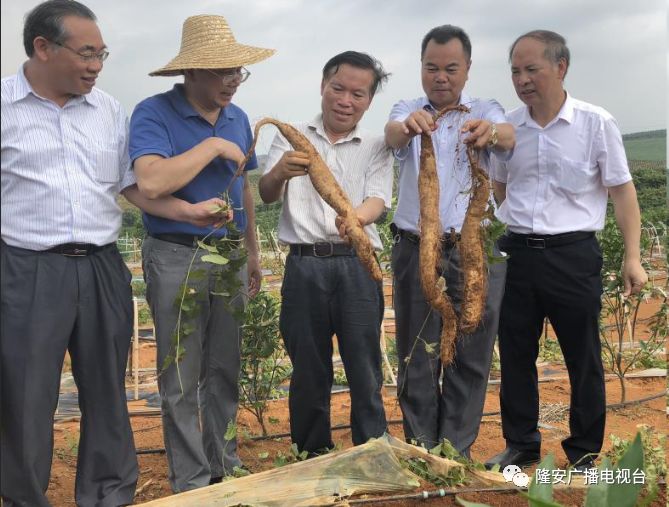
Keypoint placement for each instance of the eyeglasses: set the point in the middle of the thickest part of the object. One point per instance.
(86, 56)
(227, 76)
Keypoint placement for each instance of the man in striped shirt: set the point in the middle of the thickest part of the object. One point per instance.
(442, 402)
(326, 290)
(64, 283)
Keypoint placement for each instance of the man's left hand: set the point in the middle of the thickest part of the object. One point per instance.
(255, 275)
(479, 133)
(341, 227)
(634, 277)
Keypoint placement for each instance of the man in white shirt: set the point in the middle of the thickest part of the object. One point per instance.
(326, 290)
(64, 283)
(453, 409)
(569, 156)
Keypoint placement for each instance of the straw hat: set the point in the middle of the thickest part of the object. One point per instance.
(207, 43)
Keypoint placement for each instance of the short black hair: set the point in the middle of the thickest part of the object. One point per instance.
(46, 20)
(361, 61)
(444, 33)
(556, 45)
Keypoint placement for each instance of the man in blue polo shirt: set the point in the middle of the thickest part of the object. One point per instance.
(188, 143)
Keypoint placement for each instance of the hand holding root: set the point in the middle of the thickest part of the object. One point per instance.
(328, 188)
(212, 212)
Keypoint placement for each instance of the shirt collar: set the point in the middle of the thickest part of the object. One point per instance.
(465, 100)
(316, 125)
(23, 88)
(565, 113)
(177, 97)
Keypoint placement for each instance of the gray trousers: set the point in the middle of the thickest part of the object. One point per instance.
(201, 396)
(50, 304)
(322, 297)
(453, 411)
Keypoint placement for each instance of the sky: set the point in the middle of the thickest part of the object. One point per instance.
(618, 47)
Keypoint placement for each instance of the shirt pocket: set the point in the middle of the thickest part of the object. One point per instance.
(107, 167)
(576, 176)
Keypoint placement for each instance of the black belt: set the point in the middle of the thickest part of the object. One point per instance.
(77, 249)
(189, 240)
(448, 240)
(541, 241)
(323, 249)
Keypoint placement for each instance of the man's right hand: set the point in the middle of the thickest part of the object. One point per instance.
(213, 211)
(418, 122)
(230, 151)
(290, 165)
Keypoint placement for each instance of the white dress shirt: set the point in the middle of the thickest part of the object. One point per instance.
(557, 178)
(361, 163)
(452, 165)
(62, 168)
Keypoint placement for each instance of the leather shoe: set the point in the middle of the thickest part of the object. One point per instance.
(583, 466)
(510, 456)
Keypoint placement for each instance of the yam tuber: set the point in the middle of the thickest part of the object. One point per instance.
(327, 187)
(471, 249)
(430, 248)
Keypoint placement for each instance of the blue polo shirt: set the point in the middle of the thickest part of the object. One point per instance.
(167, 125)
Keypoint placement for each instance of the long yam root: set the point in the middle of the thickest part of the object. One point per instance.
(328, 188)
(430, 243)
(471, 249)
(430, 248)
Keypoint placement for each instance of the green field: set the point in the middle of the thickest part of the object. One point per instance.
(646, 145)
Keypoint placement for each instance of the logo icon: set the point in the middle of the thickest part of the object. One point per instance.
(513, 473)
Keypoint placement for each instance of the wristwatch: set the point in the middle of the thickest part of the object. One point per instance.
(492, 142)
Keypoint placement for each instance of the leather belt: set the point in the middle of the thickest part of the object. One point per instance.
(541, 241)
(77, 249)
(189, 240)
(448, 240)
(322, 249)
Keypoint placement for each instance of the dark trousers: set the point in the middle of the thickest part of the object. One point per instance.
(322, 297)
(50, 304)
(453, 409)
(562, 283)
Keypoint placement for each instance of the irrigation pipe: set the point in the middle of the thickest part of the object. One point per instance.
(424, 495)
(275, 436)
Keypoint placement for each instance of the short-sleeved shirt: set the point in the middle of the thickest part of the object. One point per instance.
(62, 167)
(361, 163)
(167, 125)
(557, 177)
(452, 164)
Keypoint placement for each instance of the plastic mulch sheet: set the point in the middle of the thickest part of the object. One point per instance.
(371, 468)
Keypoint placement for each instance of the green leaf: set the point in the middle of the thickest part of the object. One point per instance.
(230, 431)
(215, 259)
(209, 248)
(263, 455)
(273, 420)
(537, 502)
(542, 492)
(598, 493)
(627, 494)
(470, 504)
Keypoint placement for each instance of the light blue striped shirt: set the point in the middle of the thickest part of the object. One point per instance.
(62, 168)
(452, 165)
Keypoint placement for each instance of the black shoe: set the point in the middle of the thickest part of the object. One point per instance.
(510, 456)
(215, 480)
(583, 466)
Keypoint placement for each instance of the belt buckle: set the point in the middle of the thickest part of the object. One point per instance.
(539, 243)
(75, 252)
(316, 249)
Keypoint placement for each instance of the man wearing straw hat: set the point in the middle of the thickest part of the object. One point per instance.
(188, 143)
